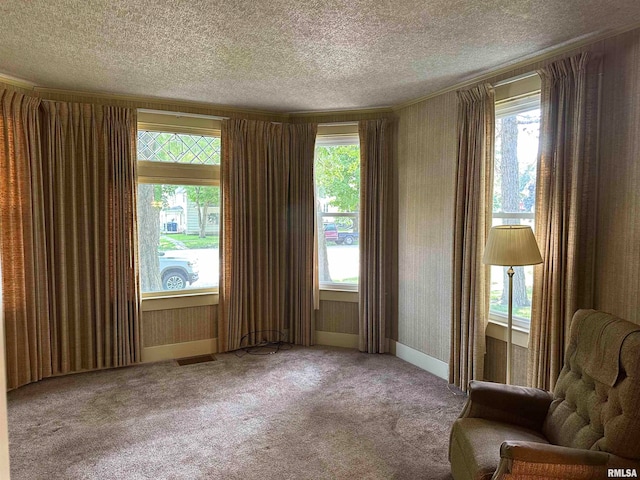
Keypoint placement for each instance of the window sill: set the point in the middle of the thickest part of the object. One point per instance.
(498, 330)
(338, 295)
(153, 303)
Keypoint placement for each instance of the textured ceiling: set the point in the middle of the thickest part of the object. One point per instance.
(286, 55)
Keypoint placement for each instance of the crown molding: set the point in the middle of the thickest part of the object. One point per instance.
(539, 56)
(45, 91)
(328, 113)
(17, 82)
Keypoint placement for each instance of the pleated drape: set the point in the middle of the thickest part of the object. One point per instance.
(376, 235)
(472, 222)
(22, 247)
(89, 171)
(299, 142)
(68, 237)
(564, 211)
(266, 283)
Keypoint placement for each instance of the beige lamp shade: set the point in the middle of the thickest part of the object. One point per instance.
(510, 246)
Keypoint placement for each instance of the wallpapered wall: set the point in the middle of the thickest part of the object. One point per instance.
(426, 157)
(426, 162)
(179, 325)
(618, 240)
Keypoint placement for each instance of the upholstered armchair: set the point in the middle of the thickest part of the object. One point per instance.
(590, 424)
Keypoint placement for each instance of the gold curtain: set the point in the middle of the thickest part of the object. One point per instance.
(89, 171)
(266, 282)
(472, 222)
(24, 261)
(376, 287)
(565, 210)
(67, 198)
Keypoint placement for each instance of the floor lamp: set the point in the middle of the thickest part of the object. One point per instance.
(511, 246)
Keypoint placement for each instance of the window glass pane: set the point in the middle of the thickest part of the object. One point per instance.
(178, 148)
(337, 176)
(178, 228)
(516, 152)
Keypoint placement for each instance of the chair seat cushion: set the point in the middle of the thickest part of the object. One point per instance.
(475, 446)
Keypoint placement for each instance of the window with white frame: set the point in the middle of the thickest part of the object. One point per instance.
(514, 186)
(337, 178)
(178, 204)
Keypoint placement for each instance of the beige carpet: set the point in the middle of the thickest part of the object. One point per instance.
(306, 413)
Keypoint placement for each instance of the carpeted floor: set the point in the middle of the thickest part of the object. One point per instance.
(306, 413)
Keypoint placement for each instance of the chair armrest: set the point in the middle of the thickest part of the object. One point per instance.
(542, 460)
(522, 406)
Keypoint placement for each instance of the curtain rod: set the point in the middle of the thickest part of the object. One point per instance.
(181, 114)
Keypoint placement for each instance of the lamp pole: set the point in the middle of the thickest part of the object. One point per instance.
(509, 379)
(511, 245)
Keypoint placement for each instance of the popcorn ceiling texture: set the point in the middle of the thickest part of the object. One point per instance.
(284, 55)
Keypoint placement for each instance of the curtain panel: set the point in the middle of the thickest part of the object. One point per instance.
(90, 229)
(300, 142)
(69, 237)
(22, 246)
(566, 199)
(376, 287)
(266, 283)
(472, 222)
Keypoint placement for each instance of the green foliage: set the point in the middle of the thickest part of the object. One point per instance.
(180, 241)
(522, 312)
(203, 196)
(338, 176)
(528, 187)
(344, 224)
(161, 194)
(495, 305)
(347, 280)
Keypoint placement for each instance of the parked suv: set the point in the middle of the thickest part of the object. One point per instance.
(176, 272)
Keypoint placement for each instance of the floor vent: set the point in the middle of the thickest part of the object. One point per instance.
(199, 359)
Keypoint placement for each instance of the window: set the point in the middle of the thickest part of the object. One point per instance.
(178, 204)
(337, 177)
(514, 187)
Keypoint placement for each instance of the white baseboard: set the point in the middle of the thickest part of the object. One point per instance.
(419, 359)
(332, 339)
(179, 350)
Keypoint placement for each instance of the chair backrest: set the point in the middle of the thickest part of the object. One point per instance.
(596, 402)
